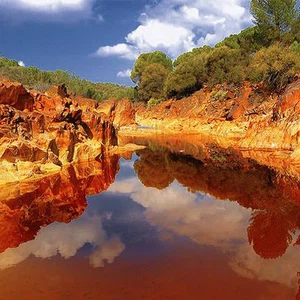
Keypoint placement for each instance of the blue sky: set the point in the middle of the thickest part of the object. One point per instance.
(100, 39)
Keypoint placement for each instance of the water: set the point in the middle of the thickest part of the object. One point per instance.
(166, 225)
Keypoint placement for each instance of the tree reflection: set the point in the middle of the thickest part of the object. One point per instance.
(152, 169)
(269, 234)
(275, 217)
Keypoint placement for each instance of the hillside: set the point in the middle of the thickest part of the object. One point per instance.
(39, 80)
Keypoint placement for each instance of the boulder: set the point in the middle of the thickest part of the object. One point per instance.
(15, 95)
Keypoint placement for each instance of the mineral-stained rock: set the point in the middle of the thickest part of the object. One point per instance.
(50, 127)
(120, 112)
(15, 95)
(124, 113)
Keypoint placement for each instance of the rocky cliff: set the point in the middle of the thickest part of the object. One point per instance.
(41, 132)
(246, 118)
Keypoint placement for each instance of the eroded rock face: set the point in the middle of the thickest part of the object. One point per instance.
(51, 127)
(61, 197)
(245, 117)
(120, 112)
(15, 95)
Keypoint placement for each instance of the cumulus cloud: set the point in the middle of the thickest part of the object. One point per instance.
(124, 73)
(67, 239)
(21, 63)
(122, 50)
(108, 252)
(53, 9)
(176, 26)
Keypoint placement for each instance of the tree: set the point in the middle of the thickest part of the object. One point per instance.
(182, 82)
(152, 82)
(146, 59)
(274, 18)
(276, 66)
(225, 65)
(246, 41)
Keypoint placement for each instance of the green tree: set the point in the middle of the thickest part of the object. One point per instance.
(183, 58)
(152, 82)
(246, 41)
(146, 59)
(274, 18)
(182, 82)
(225, 65)
(276, 66)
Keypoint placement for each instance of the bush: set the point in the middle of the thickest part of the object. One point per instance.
(36, 79)
(152, 102)
(152, 82)
(276, 66)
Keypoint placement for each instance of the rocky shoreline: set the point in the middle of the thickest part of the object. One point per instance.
(41, 132)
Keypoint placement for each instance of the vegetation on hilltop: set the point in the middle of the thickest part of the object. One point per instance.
(268, 52)
(39, 80)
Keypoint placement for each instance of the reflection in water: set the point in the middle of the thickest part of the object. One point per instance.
(67, 240)
(273, 221)
(26, 207)
(217, 199)
(275, 216)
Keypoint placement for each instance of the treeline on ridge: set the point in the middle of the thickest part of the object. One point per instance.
(267, 52)
(33, 78)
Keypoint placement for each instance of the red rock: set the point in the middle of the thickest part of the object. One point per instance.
(15, 95)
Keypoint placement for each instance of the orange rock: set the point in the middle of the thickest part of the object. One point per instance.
(124, 113)
(15, 95)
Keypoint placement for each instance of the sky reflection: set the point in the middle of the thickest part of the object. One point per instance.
(132, 221)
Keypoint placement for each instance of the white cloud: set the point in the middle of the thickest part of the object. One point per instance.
(108, 252)
(248, 264)
(47, 5)
(176, 26)
(67, 239)
(194, 215)
(124, 73)
(46, 10)
(156, 34)
(122, 50)
(21, 63)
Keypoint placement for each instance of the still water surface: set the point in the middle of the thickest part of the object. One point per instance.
(169, 226)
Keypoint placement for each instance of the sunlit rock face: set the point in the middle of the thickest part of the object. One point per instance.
(27, 206)
(15, 95)
(54, 128)
(120, 112)
(246, 117)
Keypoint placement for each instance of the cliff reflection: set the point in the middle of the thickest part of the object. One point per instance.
(61, 197)
(275, 214)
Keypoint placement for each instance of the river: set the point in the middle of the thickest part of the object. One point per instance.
(154, 224)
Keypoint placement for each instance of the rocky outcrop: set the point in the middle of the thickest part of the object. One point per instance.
(15, 95)
(246, 118)
(50, 128)
(120, 112)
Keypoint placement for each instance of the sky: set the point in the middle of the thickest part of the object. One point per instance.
(99, 40)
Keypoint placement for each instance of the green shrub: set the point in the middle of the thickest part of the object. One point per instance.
(276, 66)
(152, 102)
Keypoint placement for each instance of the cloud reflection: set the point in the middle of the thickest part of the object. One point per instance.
(66, 240)
(210, 222)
